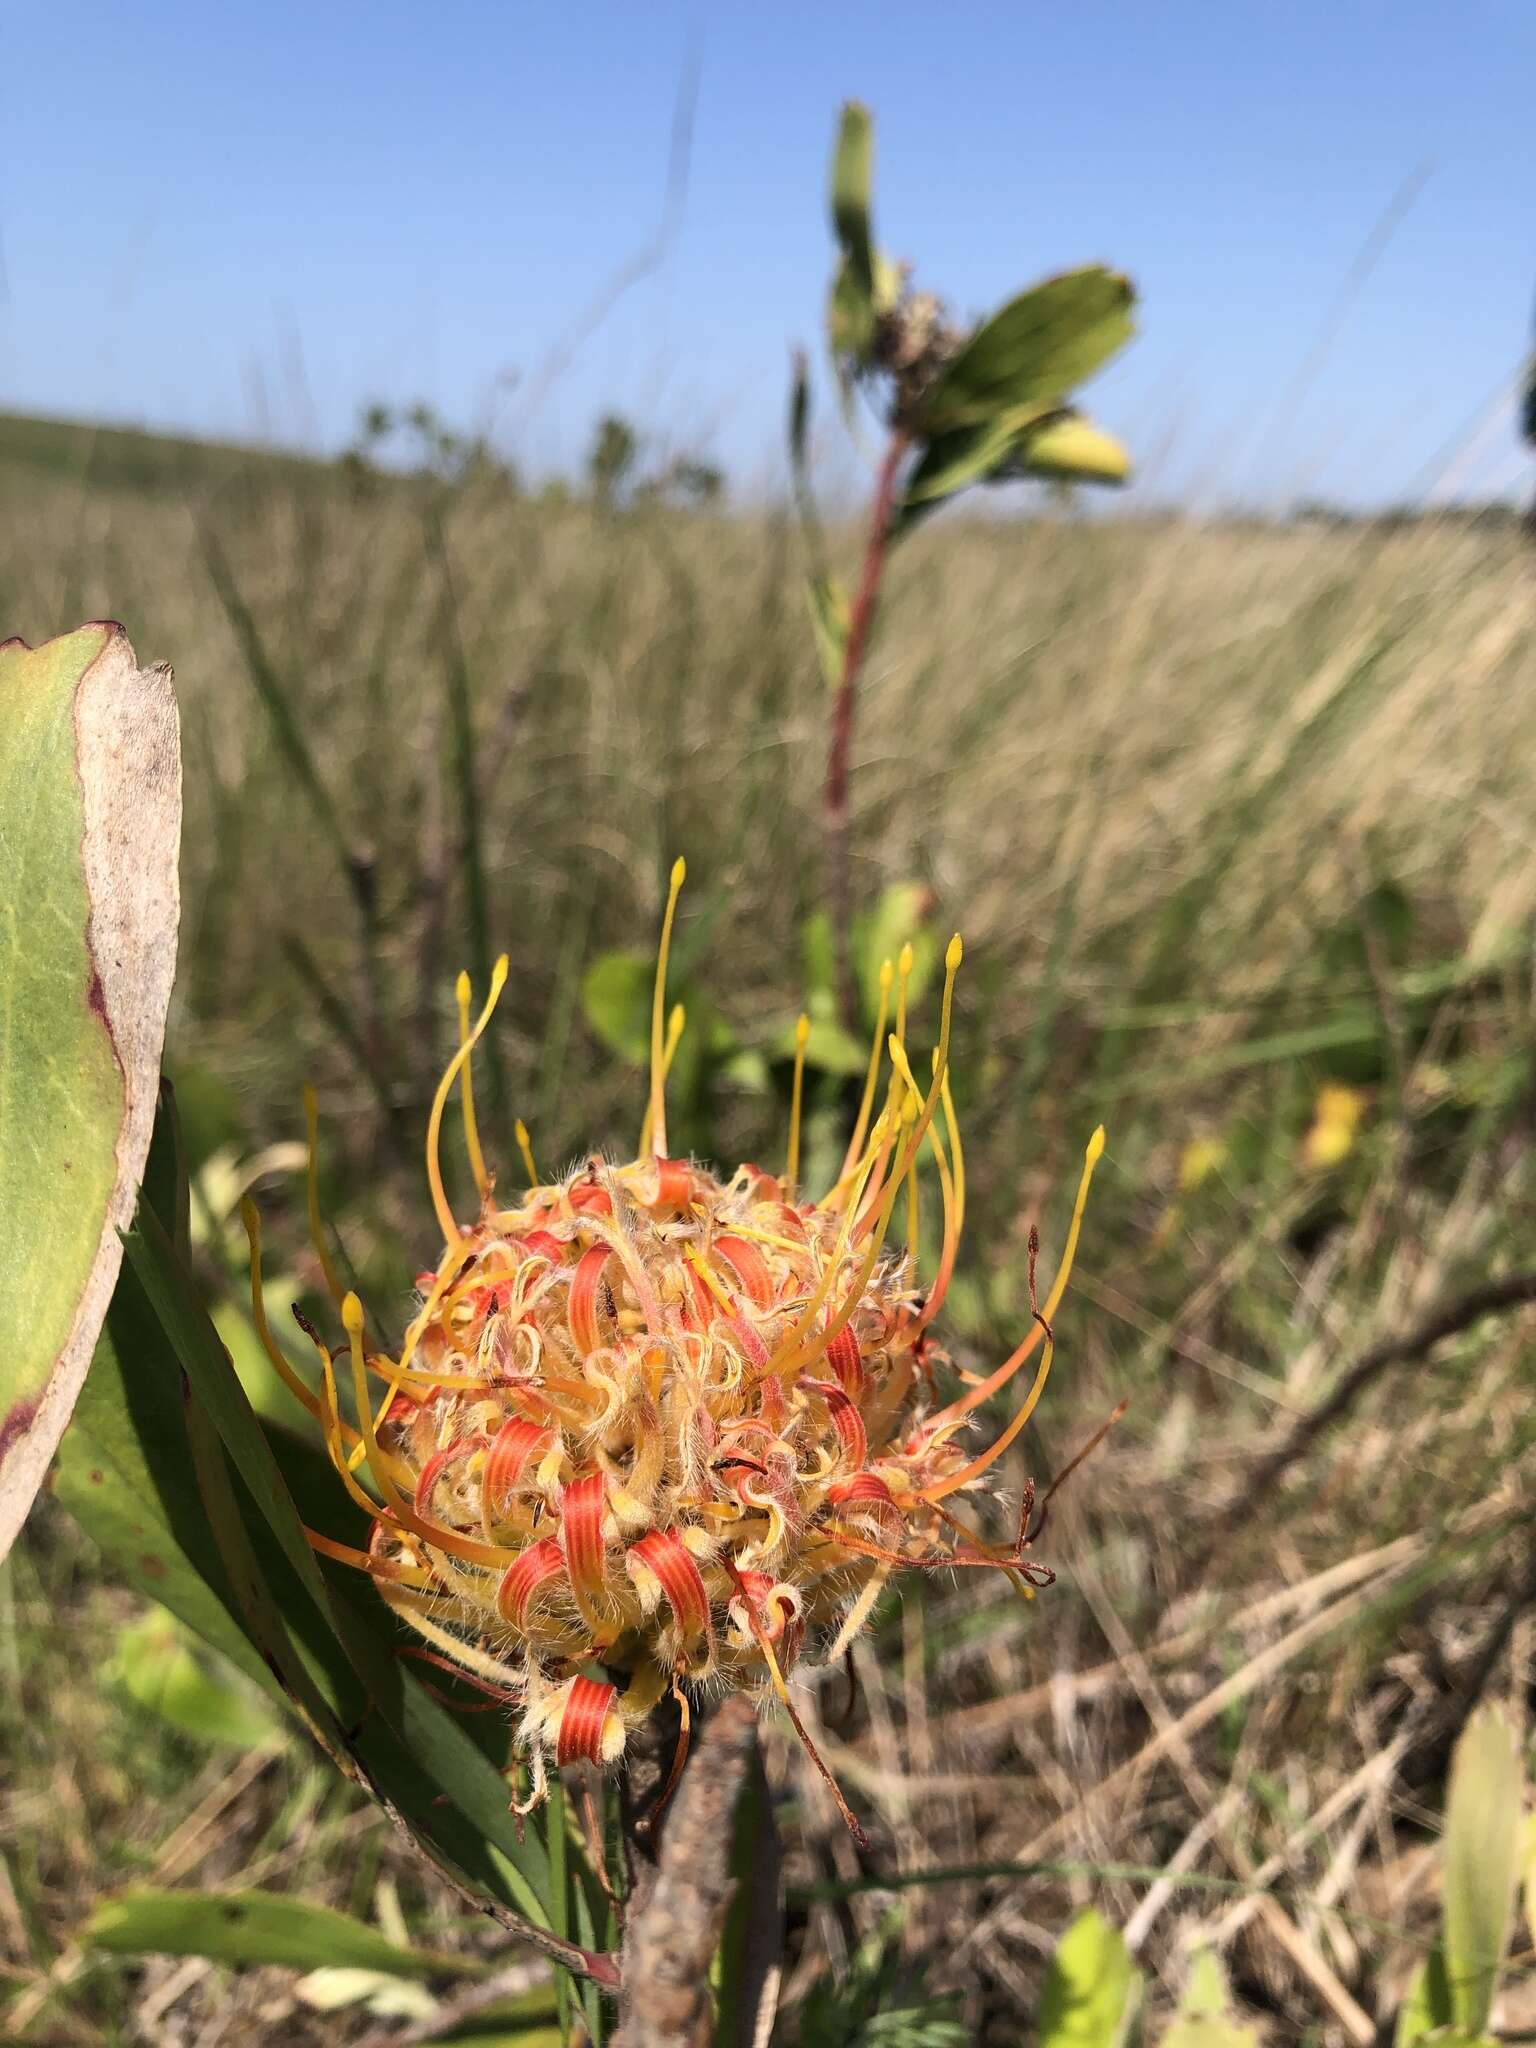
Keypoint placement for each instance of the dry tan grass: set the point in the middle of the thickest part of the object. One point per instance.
(1197, 797)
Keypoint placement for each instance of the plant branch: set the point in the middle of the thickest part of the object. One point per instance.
(836, 811)
(598, 1964)
(1448, 1319)
(664, 2001)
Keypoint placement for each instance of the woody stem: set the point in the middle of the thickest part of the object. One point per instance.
(836, 813)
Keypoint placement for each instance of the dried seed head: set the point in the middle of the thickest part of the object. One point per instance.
(915, 340)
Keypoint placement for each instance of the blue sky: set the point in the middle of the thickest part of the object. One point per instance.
(248, 220)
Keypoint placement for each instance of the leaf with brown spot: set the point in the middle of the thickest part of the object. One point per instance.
(90, 827)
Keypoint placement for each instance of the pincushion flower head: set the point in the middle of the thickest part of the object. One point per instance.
(655, 1430)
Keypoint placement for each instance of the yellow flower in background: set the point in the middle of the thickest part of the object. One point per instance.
(651, 1429)
(1336, 1120)
(1200, 1158)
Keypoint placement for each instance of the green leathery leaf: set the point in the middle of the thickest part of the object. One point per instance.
(901, 916)
(964, 455)
(1091, 1988)
(90, 824)
(616, 1002)
(1480, 1857)
(159, 1664)
(1204, 2018)
(829, 1049)
(1205, 1987)
(1038, 347)
(1039, 440)
(1070, 449)
(1208, 2030)
(251, 1927)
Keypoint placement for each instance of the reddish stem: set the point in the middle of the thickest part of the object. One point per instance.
(838, 821)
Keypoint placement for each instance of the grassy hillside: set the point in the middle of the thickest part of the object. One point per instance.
(1237, 827)
(126, 458)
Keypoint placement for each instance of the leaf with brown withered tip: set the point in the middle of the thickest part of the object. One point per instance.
(90, 827)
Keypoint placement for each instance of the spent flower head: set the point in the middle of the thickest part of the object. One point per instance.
(653, 1430)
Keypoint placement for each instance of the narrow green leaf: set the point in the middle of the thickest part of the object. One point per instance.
(125, 1474)
(800, 478)
(1091, 1988)
(818, 963)
(253, 1927)
(1280, 1048)
(852, 169)
(484, 2031)
(309, 1682)
(747, 1963)
(828, 602)
(800, 420)
(447, 1755)
(90, 822)
(1039, 346)
(1427, 2007)
(559, 1890)
(1481, 1862)
(466, 799)
(167, 1185)
(851, 310)
(278, 699)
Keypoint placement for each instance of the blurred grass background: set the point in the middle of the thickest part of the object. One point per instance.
(1236, 822)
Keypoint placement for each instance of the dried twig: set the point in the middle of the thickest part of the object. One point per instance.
(1447, 1320)
(1258, 1670)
